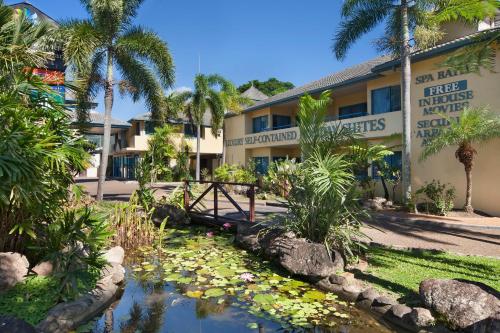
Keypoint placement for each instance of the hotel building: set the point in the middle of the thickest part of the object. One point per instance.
(367, 99)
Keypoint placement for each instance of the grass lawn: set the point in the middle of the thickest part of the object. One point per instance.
(400, 272)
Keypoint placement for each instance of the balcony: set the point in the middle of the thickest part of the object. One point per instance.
(370, 126)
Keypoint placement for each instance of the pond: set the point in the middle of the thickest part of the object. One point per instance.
(200, 282)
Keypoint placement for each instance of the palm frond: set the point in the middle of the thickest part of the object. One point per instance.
(216, 105)
(148, 46)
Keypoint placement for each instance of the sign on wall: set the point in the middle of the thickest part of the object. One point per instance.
(448, 98)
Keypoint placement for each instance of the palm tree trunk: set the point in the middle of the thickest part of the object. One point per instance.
(468, 194)
(108, 107)
(406, 101)
(198, 139)
(223, 143)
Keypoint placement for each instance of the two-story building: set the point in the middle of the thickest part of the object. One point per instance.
(367, 99)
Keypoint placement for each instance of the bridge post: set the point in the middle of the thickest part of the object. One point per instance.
(252, 203)
(186, 195)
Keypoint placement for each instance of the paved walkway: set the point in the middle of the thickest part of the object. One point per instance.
(478, 236)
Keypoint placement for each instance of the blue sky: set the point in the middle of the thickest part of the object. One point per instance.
(241, 40)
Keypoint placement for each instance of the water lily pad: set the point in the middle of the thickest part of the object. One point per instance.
(194, 294)
(263, 298)
(314, 295)
(253, 326)
(214, 292)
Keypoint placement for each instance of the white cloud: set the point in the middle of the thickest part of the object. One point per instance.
(179, 90)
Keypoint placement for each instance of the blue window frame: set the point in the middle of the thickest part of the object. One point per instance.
(394, 161)
(386, 99)
(260, 124)
(190, 130)
(261, 165)
(149, 127)
(353, 111)
(280, 122)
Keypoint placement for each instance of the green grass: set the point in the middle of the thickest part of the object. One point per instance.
(400, 272)
(31, 299)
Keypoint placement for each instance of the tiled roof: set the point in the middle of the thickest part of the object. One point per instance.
(358, 72)
(97, 119)
(254, 94)
(183, 120)
(364, 71)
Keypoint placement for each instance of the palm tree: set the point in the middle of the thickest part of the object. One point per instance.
(108, 39)
(474, 126)
(211, 93)
(361, 16)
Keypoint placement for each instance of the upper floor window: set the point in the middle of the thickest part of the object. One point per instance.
(137, 129)
(280, 122)
(191, 131)
(149, 127)
(352, 111)
(386, 99)
(260, 124)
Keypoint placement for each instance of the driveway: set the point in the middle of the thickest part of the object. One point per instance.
(399, 230)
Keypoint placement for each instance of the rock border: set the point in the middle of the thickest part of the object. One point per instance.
(68, 316)
(272, 244)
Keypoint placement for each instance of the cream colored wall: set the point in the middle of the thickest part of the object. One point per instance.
(346, 100)
(444, 167)
(235, 128)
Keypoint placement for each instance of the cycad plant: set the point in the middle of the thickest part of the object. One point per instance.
(474, 126)
(108, 40)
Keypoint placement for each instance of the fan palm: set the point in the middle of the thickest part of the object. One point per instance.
(94, 47)
(214, 94)
(474, 126)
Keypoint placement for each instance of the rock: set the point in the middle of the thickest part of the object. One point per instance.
(462, 303)
(45, 268)
(388, 203)
(10, 324)
(116, 271)
(247, 236)
(300, 257)
(174, 214)
(114, 255)
(376, 203)
(421, 317)
(361, 266)
(68, 316)
(343, 279)
(382, 304)
(365, 298)
(13, 269)
(400, 310)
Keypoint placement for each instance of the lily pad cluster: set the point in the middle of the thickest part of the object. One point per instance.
(212, 268)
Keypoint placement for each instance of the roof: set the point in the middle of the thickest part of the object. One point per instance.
(365, 71)
(33, 12)
(183, 120)
(254, 94)
(350, 75)
(97, 119)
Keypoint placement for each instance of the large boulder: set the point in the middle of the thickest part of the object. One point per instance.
(248, 236)
(13, 269)
(44, 268)
(114, 255)
(465, 305)
(9, 324)
(301, 257)
(174, 214)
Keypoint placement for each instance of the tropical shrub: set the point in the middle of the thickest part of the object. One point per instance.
(235, 173)
(277, 179)
(181, 169)
(323, 199)
(73, 243)
(161, 150)
(439, 197)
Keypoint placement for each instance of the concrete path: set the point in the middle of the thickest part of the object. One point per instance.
(477, 236)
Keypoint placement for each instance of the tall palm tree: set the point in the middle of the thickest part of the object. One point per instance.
(474, 126)
(401, 16)
(212, 93)
(94, 47)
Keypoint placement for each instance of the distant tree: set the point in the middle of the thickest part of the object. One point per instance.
(270, 87)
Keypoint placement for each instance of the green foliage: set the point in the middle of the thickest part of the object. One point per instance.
(270, 87)
(205, 174)
(73, 243)
(31, 299)
(236, 173)
(440, 195)
(400, 271)
(323, 199)
(161, 150)
(181, 169)
(278, 176)
(474, 125)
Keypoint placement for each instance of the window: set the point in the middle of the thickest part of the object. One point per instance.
(393, 161)
(280, 122)
(190, 130)
(137, 128)
(386, 99)
(149, 127)
(260, 124)
(261, 165)
(352, 111)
